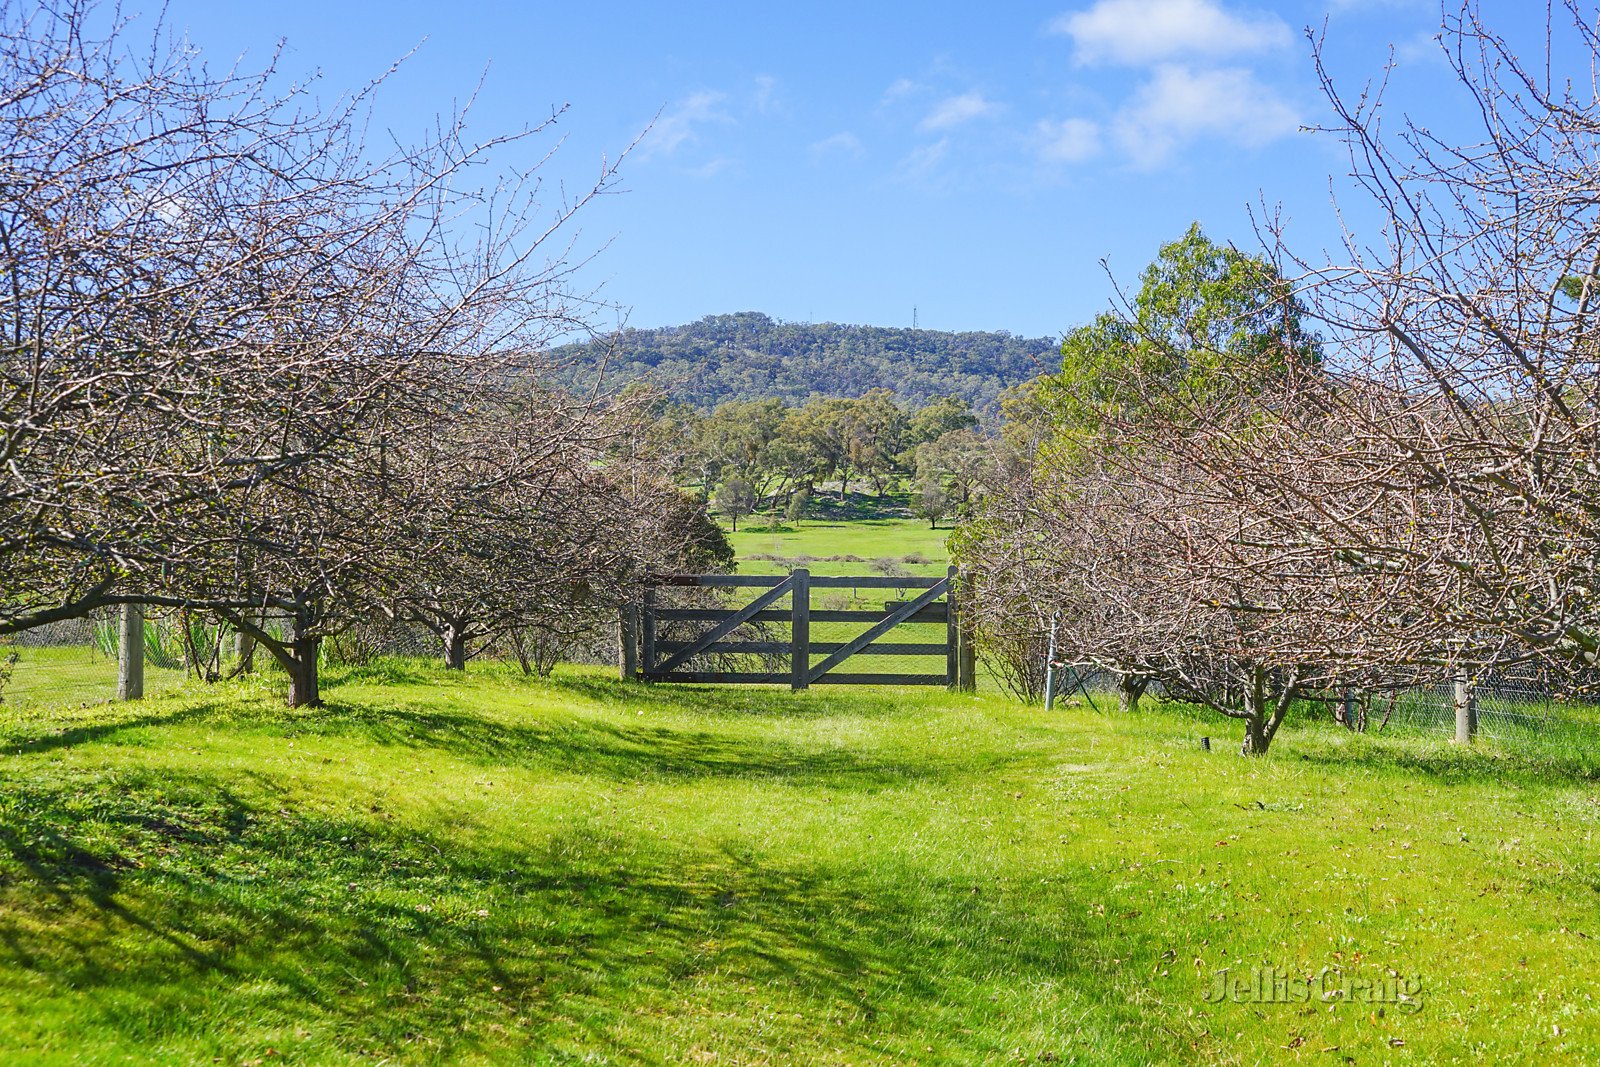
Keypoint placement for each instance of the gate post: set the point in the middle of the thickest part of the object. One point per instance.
(800, 629)
(627, 642)
(647, 633)
(952, 633)
(1050, 667)
(967, 680)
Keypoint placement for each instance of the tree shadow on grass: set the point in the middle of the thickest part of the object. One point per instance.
(204, 904)
(741, 701)
(45, 849)
(619, 752)
(710, 701)
(565, 744)
(1447, 764)
(112, 723)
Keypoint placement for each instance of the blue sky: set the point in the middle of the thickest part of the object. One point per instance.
(848, 163)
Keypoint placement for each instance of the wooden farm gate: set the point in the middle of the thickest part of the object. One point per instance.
(773, 638)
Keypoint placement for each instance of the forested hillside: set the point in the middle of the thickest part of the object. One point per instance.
(751, 356)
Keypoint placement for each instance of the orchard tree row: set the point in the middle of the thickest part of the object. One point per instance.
(1270, 480)
(255, 367)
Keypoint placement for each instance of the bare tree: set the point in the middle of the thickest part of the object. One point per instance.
(215, 307)
(1424, 497)
(1148, 574)
(512, 519)
(1450, 443)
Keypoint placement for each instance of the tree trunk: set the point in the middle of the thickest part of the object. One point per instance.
(1256, 737)
(302, 668)
(1258, 727)
(455, 649)
(1349, 712)
(1130, 687)
(301, 663)
(627, 644)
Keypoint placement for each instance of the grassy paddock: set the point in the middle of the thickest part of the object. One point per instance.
(867, 539)
(487, 869)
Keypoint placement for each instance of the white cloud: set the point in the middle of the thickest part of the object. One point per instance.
(923, 160)
(681, 124)
(1179, 106)
(1068, 141)
(1421, 48)
(902, 87)
(840, 144)
(711, 167)
(1149, 31)
(958, 110)
(764, 101)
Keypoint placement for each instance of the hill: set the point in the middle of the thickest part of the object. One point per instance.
(751, 356)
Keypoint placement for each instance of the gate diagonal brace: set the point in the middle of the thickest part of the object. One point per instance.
(725, 627)
(893, 619)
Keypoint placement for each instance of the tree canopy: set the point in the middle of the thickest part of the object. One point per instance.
(1203, 312)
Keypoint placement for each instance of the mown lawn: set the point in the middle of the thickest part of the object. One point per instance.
(435, 869)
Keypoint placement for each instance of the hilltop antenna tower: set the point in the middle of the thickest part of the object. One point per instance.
(913, 316)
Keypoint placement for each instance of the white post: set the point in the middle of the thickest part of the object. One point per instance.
(1466, 710)
(244, 650)
(1050, 668)
(130, 654)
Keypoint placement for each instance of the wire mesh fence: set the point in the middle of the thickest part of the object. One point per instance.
(74, 662)
(1523, 710)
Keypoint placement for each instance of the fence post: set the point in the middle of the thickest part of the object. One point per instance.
(952, 633)
(1050, 668)
(647, 633)
(966, 650)
(244, 649)
(800, 629)
(130, 653)
(627, 642)
(1466, 710)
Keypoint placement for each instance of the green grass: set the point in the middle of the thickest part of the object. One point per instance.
(811, 544)
(74, 674)
(489, 870)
